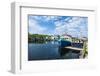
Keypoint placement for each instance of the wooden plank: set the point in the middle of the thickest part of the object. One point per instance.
(74, 48)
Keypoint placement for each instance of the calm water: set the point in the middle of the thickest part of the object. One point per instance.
(49, 50)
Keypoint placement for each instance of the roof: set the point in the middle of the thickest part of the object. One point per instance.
(66, 35)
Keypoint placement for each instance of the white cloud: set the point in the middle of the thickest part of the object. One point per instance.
(34, 17)
(35, 28)
(70, 20)
(76, 26)
(47, 18)
(75, 18)
(58, 23)
(67, 19)
(70, 25)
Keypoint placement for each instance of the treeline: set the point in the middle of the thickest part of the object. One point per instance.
(38, 38)
(37, 35)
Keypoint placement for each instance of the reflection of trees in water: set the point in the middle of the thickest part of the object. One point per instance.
(38, 40)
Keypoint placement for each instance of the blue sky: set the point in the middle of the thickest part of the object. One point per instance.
(57, 25)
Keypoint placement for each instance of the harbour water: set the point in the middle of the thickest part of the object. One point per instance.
(49, 51)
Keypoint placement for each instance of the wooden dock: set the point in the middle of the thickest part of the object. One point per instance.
(77, 50)
(74, 48)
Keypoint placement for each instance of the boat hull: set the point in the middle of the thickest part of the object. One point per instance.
(65, 43)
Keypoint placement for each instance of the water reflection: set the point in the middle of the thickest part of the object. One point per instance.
(68, 53)
(49, 50)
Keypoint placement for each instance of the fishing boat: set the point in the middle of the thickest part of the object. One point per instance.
(65, 43)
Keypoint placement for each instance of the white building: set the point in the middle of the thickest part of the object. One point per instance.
(66, 37)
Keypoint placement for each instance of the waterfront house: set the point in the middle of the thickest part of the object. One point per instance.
(66, 37)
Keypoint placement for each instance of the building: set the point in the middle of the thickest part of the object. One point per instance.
(66, 37)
